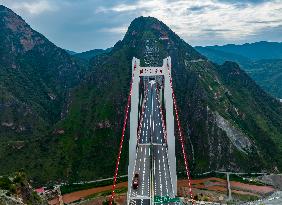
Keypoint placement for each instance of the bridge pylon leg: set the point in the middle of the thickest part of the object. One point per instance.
(133, 120)
(170, 122)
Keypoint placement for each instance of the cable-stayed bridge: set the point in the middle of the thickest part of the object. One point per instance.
(152, 111)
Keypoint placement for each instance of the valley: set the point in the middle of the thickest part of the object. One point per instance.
(63, 115)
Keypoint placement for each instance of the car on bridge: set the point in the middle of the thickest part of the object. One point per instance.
(135, 181)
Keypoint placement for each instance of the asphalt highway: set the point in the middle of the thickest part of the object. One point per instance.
(151, 153)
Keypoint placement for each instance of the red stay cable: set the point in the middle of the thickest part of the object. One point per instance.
(122, 138)
(121, 142)
(181, 138)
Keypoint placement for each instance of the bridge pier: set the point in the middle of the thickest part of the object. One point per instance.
(228, 186)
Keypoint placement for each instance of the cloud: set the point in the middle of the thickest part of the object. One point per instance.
(215, 30)
(116, 30)
(33, 7)
(119, 8)
(201, 8)
(88, 24)
(273, 33)
(125, 7)
(266, 22)
(229, 20)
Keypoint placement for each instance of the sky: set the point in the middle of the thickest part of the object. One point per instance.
(81, 25)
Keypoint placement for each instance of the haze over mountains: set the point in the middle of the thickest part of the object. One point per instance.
(261, 60)
(252, 51)
(61, 119)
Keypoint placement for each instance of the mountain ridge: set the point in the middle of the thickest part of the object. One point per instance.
(87, 55)
(227, 119)
(253, 51)
(35, 80)
(109, 78)
(265, 70)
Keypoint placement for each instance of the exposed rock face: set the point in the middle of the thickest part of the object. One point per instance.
(15, 190)
(219, 105)
(26, 36)
(35, 78)
(229, 122)
(238, 139)
(6, 200)
(35, 82)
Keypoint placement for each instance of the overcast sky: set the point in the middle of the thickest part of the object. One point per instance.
(81, 25)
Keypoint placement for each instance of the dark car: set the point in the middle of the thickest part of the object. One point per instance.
(135, 181)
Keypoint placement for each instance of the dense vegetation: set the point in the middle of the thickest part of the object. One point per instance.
(80, 129)
(35, 82)
(268, 74)
(35, 79)
(99, 102)
(18, 185)
(261, 60)
(254, 51)
(87, 55)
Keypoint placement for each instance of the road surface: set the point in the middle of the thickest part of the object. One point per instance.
(151, 161)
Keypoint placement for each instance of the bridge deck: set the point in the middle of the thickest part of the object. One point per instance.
(151, 156)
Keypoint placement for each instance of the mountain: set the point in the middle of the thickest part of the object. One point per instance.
(36, 77)
(87, 55)
(229, 122)
(260, 60)
(253, 51)
(268, 74)
(70, 52)
(219, 56)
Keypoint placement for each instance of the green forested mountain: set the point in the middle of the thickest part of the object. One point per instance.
(35, 81)
(87, 55)
(232, 123)
(253, 51)
(70, 52)
(261, 60)
(35, 78)
(219, 56)
(229, 122)
(268, 74)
